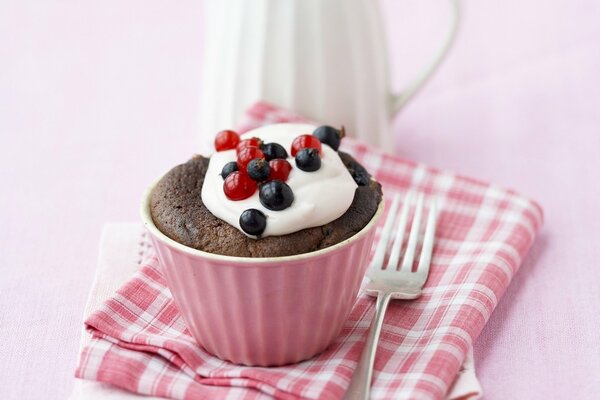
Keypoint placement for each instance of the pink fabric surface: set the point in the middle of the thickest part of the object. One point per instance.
(483, 234)
(83, 85)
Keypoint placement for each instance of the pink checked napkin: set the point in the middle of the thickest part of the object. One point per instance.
(140, 343)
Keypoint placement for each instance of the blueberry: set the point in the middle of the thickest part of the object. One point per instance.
(258, 169)
(273, 151)
(308, 160)
(359, 174)
(329, 135)
(228, 169)
(276, 195)
(253, 222)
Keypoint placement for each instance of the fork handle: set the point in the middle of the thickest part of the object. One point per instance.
(360, 385)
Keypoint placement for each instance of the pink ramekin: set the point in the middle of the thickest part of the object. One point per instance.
(264, 311)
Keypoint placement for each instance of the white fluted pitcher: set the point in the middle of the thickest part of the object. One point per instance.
(324, 59)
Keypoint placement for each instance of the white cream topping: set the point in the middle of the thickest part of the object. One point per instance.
(319, 197)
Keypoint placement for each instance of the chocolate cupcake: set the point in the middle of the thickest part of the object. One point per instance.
(279, 191)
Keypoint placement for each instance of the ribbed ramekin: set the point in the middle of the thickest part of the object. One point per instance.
(263, 311)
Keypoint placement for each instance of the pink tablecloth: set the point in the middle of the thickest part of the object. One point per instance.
(85, 85)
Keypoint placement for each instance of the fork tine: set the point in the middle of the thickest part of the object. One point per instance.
(397, 246)
(385, 234)
(409, 255)
(427, 248)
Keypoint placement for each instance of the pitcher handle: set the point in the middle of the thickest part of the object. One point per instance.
(399, 100)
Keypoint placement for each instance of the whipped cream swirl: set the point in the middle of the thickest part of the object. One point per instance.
(319, 197)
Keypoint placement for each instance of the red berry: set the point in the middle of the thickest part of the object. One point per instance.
(252, 142)
(246, 155)
(238, 186)
(305, 142)
(280, 169)
(226, 140)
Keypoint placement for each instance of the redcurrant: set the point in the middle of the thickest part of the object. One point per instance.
(305, 142)
(252, 142)
(246, 155)
(238, 186)
(226, 140)
(280, 169)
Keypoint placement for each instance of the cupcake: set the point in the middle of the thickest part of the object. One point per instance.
(264, 244)
(328, 205)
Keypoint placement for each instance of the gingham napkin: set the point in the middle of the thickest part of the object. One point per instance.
(140, 343)
(123, 248)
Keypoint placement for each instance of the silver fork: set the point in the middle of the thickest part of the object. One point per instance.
(393, 283)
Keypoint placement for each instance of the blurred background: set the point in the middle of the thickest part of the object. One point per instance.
(97, 99)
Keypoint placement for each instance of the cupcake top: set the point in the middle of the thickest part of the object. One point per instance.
(281, 176)
(286, 194)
